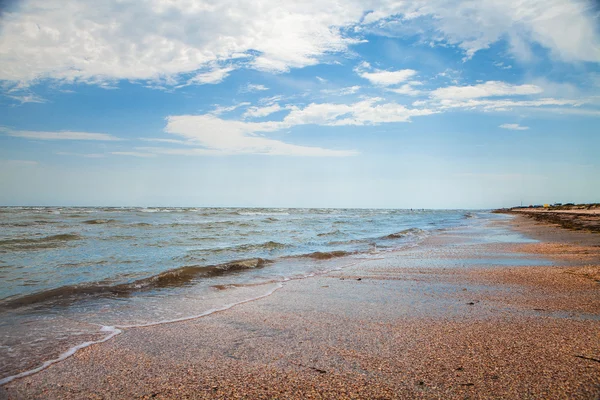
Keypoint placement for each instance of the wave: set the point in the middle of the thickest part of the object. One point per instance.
(268, 246)
(112, 332)
(211, 224)
(337, 232)
(116, 330)
(165, 210)
(149, 210)
(141, 224)
(167, 279)
(327, 255)
(262, 213)
(27, 223)
(405, 233)
(38, 243)
(99, 221)
(351, 241)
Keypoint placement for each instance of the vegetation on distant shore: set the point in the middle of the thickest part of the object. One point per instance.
(553, 207)
(583, 216)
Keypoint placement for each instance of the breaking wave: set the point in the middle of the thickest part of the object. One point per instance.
(171, 278)
(405, 233)
(99, 221)
(37, 243)
(326, 255)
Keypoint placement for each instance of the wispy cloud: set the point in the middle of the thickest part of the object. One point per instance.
(514, 127)
(257, 112)
(384, 78)
(498, 104)
(487, 89)
(27, 98)
(61, 135)
(345, 91)
(218, 110)
(270, 100)
(251, 88)
(501, 65)
(132, 154)
(212, 77)
(84, 155)
(161, 140)
(408, 89)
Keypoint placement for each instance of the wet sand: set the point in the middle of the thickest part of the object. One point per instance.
(456, 317)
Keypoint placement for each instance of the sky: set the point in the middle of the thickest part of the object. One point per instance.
(319, 103)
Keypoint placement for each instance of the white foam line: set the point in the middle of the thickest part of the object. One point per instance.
(113, 332)
(204, 314)
(116, 330)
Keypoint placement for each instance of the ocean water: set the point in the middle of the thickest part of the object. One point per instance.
(74, 276)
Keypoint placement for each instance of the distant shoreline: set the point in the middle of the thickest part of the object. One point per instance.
(575, 217)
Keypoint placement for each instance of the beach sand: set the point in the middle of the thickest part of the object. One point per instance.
(456, 317)
(574, 219)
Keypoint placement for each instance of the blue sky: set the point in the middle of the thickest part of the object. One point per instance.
(420, 104)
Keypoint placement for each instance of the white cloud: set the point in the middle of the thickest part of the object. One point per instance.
(218, 136)
(504, 104)
(216, 75)
(514, 127)
(225, 109)
(157, 40)
(387, 78)
(568, 28)
(366, 112)
(251, 87)
(341, 92)
(502, 65)
(270, 100)
(487, 89)
(210, 134)
(500, 96)
(61, 135)
(161, 140)
(27, 98)
(257, 112)
(573, 111)
(408, 89)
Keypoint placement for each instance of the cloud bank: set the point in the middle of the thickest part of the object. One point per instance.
(202, 42)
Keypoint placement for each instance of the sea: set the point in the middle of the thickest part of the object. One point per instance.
(75, 276)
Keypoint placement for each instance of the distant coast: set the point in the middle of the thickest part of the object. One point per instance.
(570, 216)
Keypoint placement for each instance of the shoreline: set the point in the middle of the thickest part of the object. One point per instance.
(573, 219)
(427, 322)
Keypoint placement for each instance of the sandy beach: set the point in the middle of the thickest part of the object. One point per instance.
(455, 317)
(587, 219)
